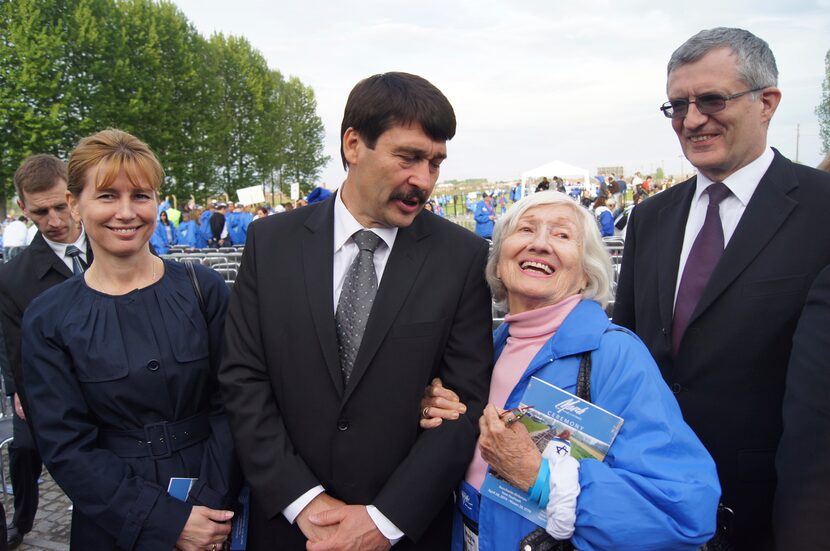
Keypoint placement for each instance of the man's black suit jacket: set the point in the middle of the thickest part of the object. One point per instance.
(730, 369)
(28, 275)
(294, 423)
(802, 503)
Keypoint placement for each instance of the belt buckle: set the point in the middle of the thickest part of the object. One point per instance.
(164, 439)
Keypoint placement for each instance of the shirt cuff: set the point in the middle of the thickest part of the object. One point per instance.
(296, 507)
(389, 530)
(564, 489)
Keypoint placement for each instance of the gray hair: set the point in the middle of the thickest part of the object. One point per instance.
(595, 260)
(756, 64)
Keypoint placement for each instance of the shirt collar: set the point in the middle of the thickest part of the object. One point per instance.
(60, 248)
(345, 225)
(742, 183)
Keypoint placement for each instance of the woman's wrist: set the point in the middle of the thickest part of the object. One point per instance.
(540, 490)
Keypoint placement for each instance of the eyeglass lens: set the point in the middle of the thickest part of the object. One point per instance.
(706, 104)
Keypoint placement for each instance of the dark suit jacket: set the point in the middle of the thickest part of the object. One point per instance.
(802, 504)
(729, 373)
(294, 423)
(30, 273)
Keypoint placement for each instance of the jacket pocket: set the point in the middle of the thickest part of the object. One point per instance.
(777, 286)
(417, 330)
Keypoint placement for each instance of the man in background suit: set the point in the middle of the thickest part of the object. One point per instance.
(330, 442)
(719, 319)
(802, 506)
(40, 184)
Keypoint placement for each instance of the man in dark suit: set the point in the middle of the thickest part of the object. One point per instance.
(802, 507)
(327, 429)
(40, 184)
(716, 269)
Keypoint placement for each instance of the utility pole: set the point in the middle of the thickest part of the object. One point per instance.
(797, 138)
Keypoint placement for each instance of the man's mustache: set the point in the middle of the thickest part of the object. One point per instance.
(412, 195)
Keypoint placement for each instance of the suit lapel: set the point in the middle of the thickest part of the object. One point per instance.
(401, 271)
(672, 224)
(767, 210)
(46, 259)
(318, 271)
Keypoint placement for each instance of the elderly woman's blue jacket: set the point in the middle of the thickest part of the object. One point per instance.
(657, 488)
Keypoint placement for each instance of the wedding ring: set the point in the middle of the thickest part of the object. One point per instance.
(424, 413)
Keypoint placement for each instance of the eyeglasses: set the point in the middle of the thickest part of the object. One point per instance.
(707, 104)
(518, 413)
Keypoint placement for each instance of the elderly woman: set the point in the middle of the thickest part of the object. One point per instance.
(657, 487)
(120, 370)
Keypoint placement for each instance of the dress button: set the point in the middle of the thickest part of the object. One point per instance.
(153, 365)
(342, 425)
(676, 388)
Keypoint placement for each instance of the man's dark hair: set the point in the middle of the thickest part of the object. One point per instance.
(381, 101)
(38, 173)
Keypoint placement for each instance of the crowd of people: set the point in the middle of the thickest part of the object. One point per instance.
(351, 381)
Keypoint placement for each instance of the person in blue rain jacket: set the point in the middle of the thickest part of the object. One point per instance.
(188, 231)
(485, 216)
(657, 488)
(165, 235)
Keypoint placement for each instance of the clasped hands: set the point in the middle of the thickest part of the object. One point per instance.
(331, 525)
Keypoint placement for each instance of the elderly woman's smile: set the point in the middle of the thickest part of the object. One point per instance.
(541, 258)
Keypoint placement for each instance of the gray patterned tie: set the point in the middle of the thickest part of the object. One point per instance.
(74, 253)
(356, 299)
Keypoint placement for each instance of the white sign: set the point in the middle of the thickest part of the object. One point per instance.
(251, 195)
(295, 191)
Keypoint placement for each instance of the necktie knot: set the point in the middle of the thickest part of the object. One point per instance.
(366, 240)
(72, 251)
(717, 193)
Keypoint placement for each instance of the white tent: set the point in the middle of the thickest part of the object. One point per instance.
(557, 168)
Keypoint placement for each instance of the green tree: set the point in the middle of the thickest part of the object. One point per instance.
(216, 115)
(823, 109)
(243, 86)
(304, 136)
(33, 107)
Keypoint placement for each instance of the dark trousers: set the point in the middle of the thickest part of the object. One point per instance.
(24, 467)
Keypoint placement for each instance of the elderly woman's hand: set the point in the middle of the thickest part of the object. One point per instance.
(508, 449)
(439, 403)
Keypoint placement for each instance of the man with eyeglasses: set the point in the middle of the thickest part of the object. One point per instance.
(716, 270)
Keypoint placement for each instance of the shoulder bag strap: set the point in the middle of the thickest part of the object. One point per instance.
(191, 273)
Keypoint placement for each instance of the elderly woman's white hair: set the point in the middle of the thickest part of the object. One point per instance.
(595, 260)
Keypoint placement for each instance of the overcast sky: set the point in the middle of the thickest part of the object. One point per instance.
(531, 81)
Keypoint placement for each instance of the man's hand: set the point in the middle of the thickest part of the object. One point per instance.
(439, 403)
(321, 503)
(18, 407)
(355, 531)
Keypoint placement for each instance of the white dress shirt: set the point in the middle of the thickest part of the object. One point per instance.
(345, 251)
(60, 249)
(742, 184)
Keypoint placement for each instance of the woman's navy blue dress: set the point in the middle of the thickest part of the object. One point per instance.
(97, 365)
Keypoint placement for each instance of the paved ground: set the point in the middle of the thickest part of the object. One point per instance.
(51, 529)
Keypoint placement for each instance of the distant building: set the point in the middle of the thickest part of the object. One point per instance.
(617, 171)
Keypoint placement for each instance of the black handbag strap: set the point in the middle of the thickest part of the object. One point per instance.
(583, 378)
(191, 273)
